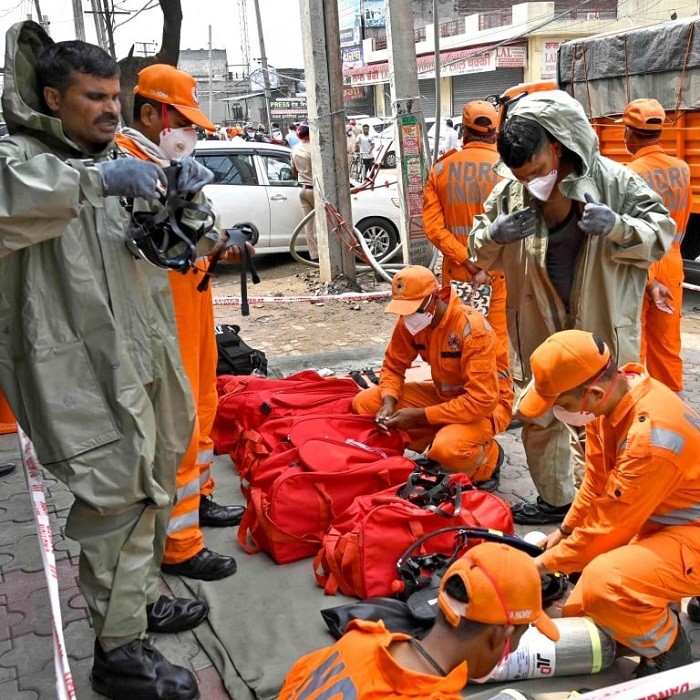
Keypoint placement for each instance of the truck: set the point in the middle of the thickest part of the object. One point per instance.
(605, 71)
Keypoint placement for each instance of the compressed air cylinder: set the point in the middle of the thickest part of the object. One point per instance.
(582, 648)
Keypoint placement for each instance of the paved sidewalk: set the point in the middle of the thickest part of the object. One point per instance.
(26, 662)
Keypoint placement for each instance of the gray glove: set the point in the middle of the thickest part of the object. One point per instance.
(508, 228)
(131, 177)
(597, 219)
(193, 176)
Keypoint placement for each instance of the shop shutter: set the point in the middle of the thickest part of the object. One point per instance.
(478, 85)
(427, 94)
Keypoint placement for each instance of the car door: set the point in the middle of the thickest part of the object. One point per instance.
(283, 197)
(237, 193)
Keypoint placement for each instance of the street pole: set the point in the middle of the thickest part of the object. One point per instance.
(211, 79)
(324, 78)
(108, 24)
(43, 21)
(263, 63)
(438, 91)
(99, 23)
(408, 119)
(78, 20)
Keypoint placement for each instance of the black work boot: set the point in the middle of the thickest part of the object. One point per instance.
(678, 655)
(539, 513)
(213, 515)
(137, 670)
(205, 566)
(169, 615)
(694, 609)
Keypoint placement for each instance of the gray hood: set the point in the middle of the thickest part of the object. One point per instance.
(563, 117)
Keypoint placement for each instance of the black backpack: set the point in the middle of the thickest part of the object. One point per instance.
(235, 356)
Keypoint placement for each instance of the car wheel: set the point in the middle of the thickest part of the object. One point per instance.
(381, 235)
(390, 160)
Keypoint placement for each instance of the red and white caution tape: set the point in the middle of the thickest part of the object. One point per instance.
(350, 296)
(65, 689)
(660, 685)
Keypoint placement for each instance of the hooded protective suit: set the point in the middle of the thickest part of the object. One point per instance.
(88, 359)
(609, 275)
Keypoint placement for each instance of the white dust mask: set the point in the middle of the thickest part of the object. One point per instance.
(541, 187)
(178, 143)
(417, 322)
(577, 419)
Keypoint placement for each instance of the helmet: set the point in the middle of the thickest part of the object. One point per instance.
(160, 238)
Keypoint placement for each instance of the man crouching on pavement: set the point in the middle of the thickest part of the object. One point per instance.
(453, 412)
(88, 361)
(634, 526)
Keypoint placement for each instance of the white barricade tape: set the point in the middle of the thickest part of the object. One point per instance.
(65, 689)
(350, 296)
(692, 287)
(660, 685)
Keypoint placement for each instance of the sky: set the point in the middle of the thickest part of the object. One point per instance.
(280, 18)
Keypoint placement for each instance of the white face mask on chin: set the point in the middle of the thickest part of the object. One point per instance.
(178, 143)
(577, 419)
(417, 322)
(541, 187)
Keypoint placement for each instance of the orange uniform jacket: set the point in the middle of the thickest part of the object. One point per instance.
(661, 333)
(359, 666)
(194, 314)
(461, 352)
(642, 474)
(455, 192)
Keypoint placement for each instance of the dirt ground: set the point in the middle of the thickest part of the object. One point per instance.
(303, 327)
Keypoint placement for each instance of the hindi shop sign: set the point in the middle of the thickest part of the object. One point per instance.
(548, 70)
(288, 106)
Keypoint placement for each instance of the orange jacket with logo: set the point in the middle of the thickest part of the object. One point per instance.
(455, 192)
(642, 474)
(461, 352)
(670, 177)
(359, 666)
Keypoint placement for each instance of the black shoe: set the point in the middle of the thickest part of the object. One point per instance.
(539, 513)
(492, 483)
(175, 614)
(678, 655)
(6, 468)
(137, 670)
(205, 566)
(213, 515)
(694, 609)
(516, 424)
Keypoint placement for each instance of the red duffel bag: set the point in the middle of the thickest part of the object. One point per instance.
(359, 552)
(295, 494)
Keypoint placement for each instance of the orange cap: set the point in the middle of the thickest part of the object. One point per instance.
(479, 108)
(643, 115)
(409, 288)
(173, 87)
(564, 361)
(503, 588)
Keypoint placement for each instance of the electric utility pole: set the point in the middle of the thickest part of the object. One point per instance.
(78, 20)
(407, 112)
(108, 24)
(43, 21)
(263, 63)
(99, 23)
(324, 78)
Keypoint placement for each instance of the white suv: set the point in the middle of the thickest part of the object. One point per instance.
(253, 185)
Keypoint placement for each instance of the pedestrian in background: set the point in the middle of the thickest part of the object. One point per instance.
(663, 300)
(302, 172)
(365, 147)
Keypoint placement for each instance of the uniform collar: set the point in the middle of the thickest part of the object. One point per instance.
(479, 144)
(404, 681)
(656, 148)
(627, 402)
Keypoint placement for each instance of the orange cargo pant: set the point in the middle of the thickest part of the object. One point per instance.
(7, 419)
(661, 332)
(194, 313)
(503, 413)
(628, 590)
(458, 447)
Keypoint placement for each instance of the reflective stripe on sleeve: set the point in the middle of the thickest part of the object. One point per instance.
(680, 516)
(668, 439)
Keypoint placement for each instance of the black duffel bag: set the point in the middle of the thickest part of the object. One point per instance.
(235, 355)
